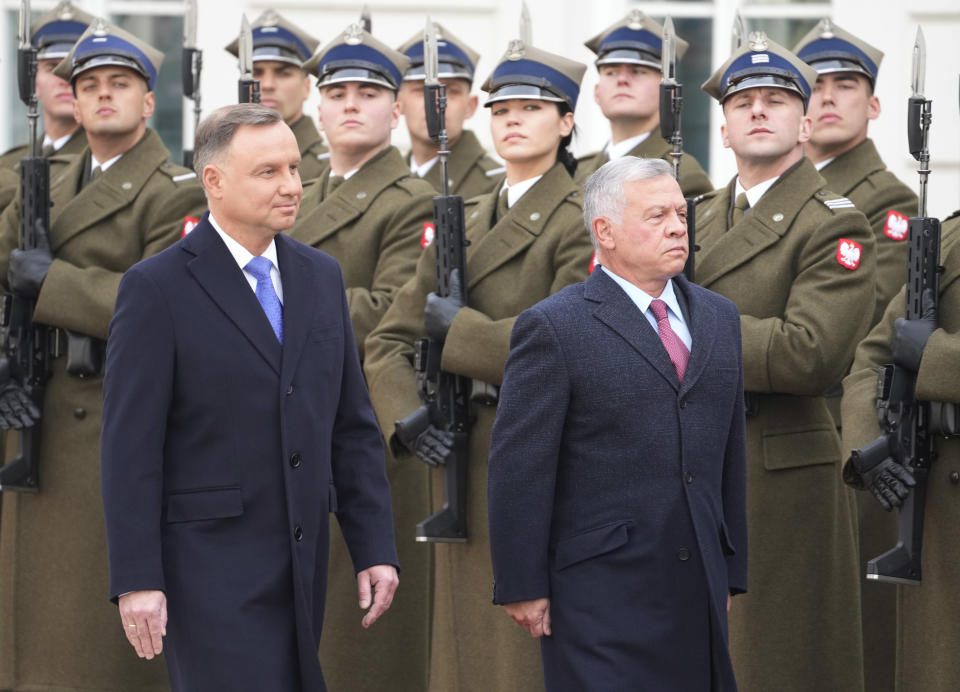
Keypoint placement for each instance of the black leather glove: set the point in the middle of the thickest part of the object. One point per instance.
(439, 312)
(28, 268)
(890, 483)
(17, 410)
(432, 445)
(910, 336)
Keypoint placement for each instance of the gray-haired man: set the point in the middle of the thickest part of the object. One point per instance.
(617, 464)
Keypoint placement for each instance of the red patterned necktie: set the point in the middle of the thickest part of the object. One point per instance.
(676, 349)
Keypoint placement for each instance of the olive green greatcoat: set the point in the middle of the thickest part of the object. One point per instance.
(802, 314)
(9, 184)
(314, 157)
(75, 145)
(861, 176)
(927, 634)
(60, 632)
(472, 172)
(693, 179)
(539, 247)
(372, 224)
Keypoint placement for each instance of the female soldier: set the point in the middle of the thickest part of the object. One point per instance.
(527, 241)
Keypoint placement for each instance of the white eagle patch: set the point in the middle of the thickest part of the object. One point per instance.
(848, 253)
(897, 226)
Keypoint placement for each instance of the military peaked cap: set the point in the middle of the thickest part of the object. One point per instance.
(761, 62)
(105, 44)
(278, 40)
(456, 60)
(55, 32)
(828, 48)
(636, 39)
(525, 72)
(356, 56)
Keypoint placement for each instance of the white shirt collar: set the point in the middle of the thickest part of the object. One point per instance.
(421, 171)
(615, 151)
(103, 166)
(241, 255)
(516, 191)
(56, 143)
(826, 162)
(642, 299)
(756, 192)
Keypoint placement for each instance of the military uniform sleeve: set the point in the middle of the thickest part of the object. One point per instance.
(82, 298)
(478, 346)
(389, 349)
(396, 261)
(694, 181)
(891, 254)
(809, 348)
(939, 376)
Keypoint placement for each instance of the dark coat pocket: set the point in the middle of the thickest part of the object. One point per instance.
(205, 503)
(590, 544)
(728, 546)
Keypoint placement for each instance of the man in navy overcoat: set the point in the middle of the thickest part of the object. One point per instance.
(235, 420)
(617, 466)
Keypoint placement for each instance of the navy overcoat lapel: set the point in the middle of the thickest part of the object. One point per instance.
(218, 274)
(619, 313)
(300, 294)
(701, 320)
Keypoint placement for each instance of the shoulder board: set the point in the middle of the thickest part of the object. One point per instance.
(834, 202)
(953, 215)
(177, 174)
(415, 186)
(705, 196)
(499, 170)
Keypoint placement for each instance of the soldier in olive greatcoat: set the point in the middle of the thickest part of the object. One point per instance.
(927, 632)
(280, 49)
(53, 35)
(799, 262)
(842, 105)
(472, 171)
(628, 93)
(526, 241)
(117, 202)
(371, 215)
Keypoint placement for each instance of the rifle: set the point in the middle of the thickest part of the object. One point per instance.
(671, 110)
(192, 64)
(249, 87)
(26, 343)
(908, 431)
(445, 396)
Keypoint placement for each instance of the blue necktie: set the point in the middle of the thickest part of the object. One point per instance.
(259, 267)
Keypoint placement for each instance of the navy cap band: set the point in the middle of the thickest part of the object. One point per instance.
(446, 52)
(836, 49)
(538, 75)
(59, 31)
(755, 64)
(280, 37)
(445, 70)
(363, 56)
(95, 46)
(276, 54)
(625, 37)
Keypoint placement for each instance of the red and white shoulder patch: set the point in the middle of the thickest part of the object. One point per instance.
(429, 231)
(593, 262)
(189, 223)
(848, 253)
(897, 226)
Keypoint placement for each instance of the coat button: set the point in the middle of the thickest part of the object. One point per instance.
(298, 534)
(289, 390)
(683, 403)
(296, 460)
(688, 477)
(683, 554)
(79, 413)
(955, 477)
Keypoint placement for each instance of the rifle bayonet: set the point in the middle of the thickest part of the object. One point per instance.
(739, 31)
(430, 54)
(919, 72)
(249, 87)
(668, 58)
(365, 19)
(192, 64)
(526, 26)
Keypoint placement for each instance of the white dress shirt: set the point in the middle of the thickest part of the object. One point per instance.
(421, 171)
(243, 257)
(517, 190)
(756, 192)
(622, 148)
(642, 300)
